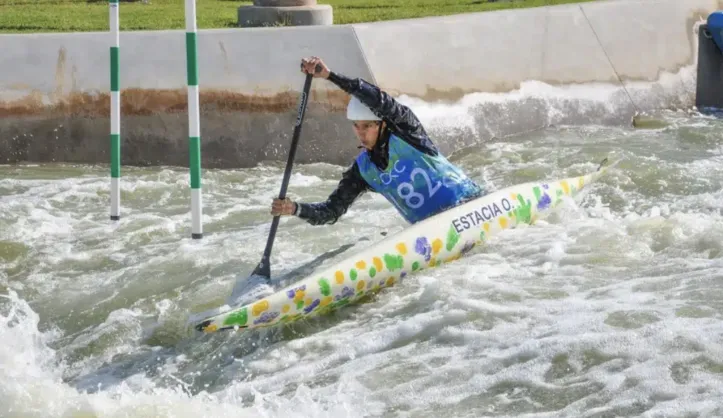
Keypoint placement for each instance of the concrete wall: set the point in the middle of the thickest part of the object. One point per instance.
(54, 101)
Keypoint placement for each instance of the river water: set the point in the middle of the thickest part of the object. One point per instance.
(609, 308)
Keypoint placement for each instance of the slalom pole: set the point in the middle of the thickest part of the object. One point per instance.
(114, 111)
(194, 123)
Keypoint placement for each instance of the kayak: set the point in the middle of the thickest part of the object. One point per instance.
(439, 239)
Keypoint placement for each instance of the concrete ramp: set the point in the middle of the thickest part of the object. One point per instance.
(567, 44)
(490, 52)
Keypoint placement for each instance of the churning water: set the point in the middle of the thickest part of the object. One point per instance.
(611, 307)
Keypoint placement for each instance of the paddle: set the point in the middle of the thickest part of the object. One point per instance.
(263, 269)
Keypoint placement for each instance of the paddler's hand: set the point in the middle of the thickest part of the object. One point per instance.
(283, 207)
(308, 66)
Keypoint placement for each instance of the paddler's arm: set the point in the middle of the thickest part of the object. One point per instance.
(400, 117)
(351, 186)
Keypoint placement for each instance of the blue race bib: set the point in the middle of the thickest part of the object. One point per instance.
(417, 184)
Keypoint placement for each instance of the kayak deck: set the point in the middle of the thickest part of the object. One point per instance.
(440, 239)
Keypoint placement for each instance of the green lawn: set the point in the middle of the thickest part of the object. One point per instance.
(92, 15)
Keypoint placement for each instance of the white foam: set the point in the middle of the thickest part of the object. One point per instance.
(609, 302)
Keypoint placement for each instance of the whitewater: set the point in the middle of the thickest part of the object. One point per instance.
(610, 307)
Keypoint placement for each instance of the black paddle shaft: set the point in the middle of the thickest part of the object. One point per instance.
(264, 266)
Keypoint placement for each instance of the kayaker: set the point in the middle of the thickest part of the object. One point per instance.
(398, 159)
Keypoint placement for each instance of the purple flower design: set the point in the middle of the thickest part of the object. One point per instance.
(345, 293)
(292, 293)
(266, 317)
(544, 202)
(403, 275)
(545, 186)
(422, 247)
(313, 305)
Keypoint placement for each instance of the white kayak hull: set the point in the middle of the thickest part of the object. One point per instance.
(439, 239)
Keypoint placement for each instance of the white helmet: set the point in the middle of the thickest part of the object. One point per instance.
(356, 110)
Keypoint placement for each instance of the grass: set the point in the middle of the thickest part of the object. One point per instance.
(28, 16)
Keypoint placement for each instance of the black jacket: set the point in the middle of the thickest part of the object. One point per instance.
(399, 119)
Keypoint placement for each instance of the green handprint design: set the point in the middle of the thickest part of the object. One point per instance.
(393, 262)
(523, 212)
(324, 287)
(452, 238)
(239, 318)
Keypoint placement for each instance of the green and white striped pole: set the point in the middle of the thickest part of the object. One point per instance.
(114, 112)
(194, 123)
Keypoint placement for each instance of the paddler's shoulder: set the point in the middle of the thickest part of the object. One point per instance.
(417, 139)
